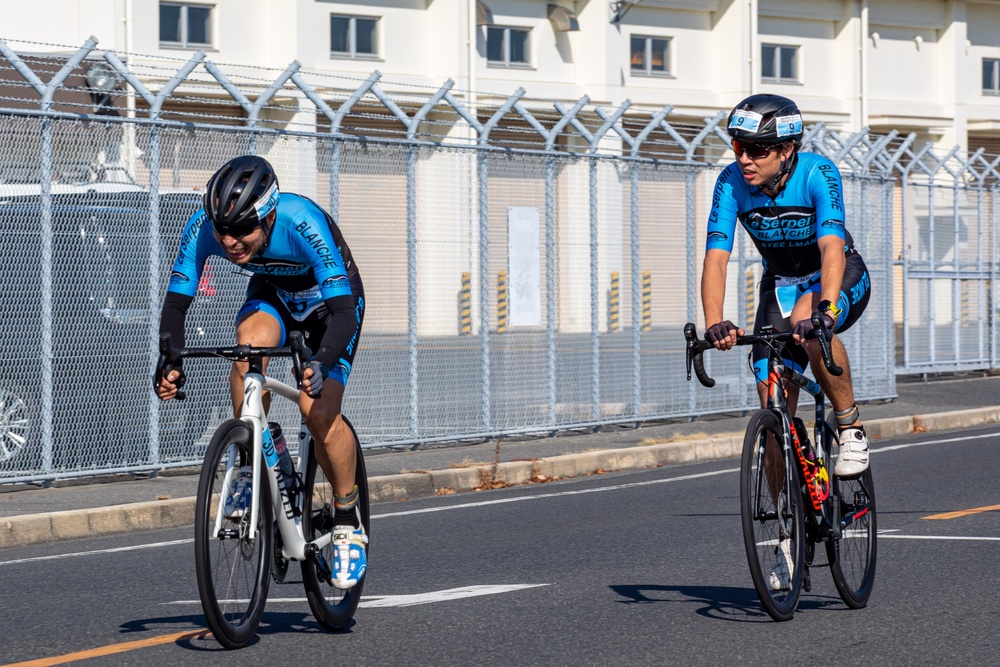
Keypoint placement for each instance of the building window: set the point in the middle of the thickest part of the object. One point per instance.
(185, 25)
(779, 64)
(991, 76)
(353, 36)
(650, 55)
(507, 46)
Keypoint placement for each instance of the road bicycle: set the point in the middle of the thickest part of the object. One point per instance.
(789, 500)
(248, 533)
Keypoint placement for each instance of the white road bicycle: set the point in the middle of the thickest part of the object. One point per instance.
(238, 551)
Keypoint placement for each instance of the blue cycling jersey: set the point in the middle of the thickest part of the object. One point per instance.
(305, 250)
(785, 229)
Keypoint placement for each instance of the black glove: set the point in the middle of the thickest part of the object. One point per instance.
(720, 331)
(319, 373)
(162, 373)
(804, 328)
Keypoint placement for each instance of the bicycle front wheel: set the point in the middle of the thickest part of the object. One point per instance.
(852, 557)
(233, 569)
(332, 607)
(771, 509)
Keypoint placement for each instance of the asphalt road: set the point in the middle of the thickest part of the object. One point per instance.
(627, 568)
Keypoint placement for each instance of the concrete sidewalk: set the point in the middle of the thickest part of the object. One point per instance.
(125, 503)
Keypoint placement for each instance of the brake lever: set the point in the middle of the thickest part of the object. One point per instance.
(165, 364)
(823, 336)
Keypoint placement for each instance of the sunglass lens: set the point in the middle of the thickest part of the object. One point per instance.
(753, 151)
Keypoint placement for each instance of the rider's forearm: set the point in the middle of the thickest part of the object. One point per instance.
(713, 289)
(832, 265)
(341, 324)
(175, 307)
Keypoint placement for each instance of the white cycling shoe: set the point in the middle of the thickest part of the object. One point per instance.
(780, 578)
(853, 457)
(350, 558)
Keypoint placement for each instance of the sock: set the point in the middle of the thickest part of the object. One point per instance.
(345, 510)
(846, 418)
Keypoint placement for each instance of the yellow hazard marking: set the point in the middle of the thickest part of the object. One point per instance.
(955, 515)
(111, 649)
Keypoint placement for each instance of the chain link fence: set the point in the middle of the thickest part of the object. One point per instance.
(528, 267)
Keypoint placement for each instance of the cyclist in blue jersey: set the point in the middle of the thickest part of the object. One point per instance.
(304, 279)
(791, 204)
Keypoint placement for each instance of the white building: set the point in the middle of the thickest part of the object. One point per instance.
(925, 66)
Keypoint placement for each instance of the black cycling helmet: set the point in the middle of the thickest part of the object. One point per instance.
(765, 119)
(241, 194)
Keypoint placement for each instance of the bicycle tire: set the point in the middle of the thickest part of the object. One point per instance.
(766, 518)
(854, 555)
(333, 608)
(233, 572)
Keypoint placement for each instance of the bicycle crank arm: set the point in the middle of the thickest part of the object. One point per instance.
(854, 516)
(322, 567)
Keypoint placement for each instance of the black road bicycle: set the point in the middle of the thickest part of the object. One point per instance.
(789, 499)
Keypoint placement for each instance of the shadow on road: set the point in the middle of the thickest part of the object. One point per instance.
(271, 624)
(725, 603)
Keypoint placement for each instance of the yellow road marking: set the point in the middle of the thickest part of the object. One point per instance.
(111, 649)
(955, 515)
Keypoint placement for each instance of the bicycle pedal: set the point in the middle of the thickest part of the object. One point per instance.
(806, 580)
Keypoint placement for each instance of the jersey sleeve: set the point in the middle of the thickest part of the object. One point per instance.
(197, 243)
(826, 189)
(312, 234)
(723, 216)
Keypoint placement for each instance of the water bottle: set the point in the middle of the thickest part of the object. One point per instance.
(286, 471)
(803, 435)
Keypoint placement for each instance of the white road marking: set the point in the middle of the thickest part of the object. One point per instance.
(372, 601)
(891, 448)
(556, 494)
(938, 537)
(99, 551)
(540, 496)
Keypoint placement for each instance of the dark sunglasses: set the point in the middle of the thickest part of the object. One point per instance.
(753, 151)
(236, 232)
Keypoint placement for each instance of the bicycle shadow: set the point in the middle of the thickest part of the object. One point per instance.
(724, 603)
(272, 623)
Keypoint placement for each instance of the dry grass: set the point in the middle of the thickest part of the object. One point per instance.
(488, 476)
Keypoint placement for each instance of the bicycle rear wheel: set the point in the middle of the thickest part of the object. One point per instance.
(771, 508)
(332, 607)
(853, 556)
(233, 570)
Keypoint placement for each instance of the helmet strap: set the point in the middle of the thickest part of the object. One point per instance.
(267, 229)
(784, 168)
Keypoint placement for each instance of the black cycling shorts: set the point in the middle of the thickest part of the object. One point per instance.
(263, 297)
(855, 291)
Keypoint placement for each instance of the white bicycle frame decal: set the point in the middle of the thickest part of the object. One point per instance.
(292, 536)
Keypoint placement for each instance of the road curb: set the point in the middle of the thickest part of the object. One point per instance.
(28, 529)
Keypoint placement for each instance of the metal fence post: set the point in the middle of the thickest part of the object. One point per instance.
(636, 290)
(692, 269)
(47, 93)
(45, 167)
(411, 291)
(595, 322)
(484, 284)
(154, 274)
(550, 283)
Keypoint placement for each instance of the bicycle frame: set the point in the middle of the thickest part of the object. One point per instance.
(777, 403)
(294, 545)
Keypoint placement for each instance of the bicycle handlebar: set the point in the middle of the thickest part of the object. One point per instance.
(695, 347)
(169, 355)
